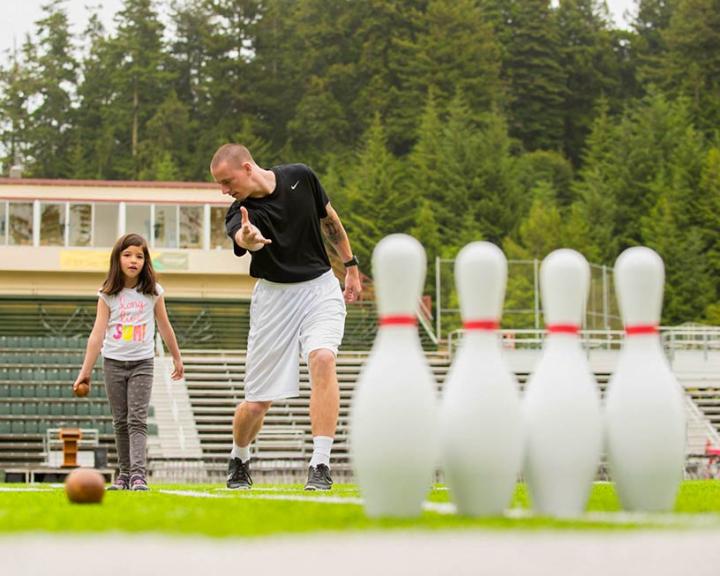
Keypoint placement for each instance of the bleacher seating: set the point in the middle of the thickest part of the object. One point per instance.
(36, 372)
(707, 399)
(36, 376)
(215, 386)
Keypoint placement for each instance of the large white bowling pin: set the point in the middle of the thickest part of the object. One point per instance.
(480, 417)
(393, 421)
(644, 408)
(563, 421)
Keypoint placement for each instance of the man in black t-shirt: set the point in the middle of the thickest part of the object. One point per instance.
(298, 308)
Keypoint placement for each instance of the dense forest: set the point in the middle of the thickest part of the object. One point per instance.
(528, 123)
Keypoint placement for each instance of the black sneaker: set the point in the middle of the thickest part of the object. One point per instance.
(138, 483)
(319, 478)
(122, 482)
(239, 475)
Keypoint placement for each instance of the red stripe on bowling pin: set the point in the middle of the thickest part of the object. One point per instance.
(481, 325)
(397, 321)
(641, 329)
(563, 328)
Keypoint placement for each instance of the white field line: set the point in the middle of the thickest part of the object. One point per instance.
(26, 489)
(447, 508)
(247, 495)
(191, 493)
(438, 507)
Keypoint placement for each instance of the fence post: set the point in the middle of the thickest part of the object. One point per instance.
(438, 301)
(606, 299)
(536, 288)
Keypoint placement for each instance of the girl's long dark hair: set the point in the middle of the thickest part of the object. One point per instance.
(114, 282)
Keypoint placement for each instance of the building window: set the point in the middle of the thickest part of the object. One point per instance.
(80, 233)
(105, 231)
(218, 236)
(20, 218)
(52, 224)
(191, 226)
(166, 226)
(137, 220)
(3, 222)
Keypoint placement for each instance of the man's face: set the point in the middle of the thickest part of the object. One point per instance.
(234, 181)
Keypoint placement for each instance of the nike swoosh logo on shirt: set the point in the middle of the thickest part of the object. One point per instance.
(294, 185)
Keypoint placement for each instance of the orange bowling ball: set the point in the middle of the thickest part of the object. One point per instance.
(82, 389)
(85, 486)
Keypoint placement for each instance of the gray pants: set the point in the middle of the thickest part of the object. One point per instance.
(128, 385)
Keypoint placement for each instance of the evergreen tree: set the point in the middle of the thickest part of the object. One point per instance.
(537, 235)
(377, 202)
(548, 166)
(688, 286)
(454, 51)
(426, 230)
(15, 90)
(532, 66)
(140, 81)
(542, 231)
(708, 214)
(649, 136)
(691, 66)
(427, 169)
(495, 196)
(260, 148)
(53, 81)
(278, 80)
(319, 125)
(93, 133)
(163, 150)
(386, 33)
(652, 20)
(601, 180)
(189, 60)
(590, 65)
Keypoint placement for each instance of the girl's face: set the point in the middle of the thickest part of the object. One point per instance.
(132, 260)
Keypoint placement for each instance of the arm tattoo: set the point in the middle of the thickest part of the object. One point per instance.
(332, 231)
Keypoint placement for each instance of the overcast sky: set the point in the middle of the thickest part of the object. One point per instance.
(17, 16)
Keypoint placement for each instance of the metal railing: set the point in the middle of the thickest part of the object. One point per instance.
(674, 338)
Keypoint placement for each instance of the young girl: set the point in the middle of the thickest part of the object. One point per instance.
(130, 301)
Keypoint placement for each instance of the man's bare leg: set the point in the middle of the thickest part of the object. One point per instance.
(324, 408)
(247, 422)
(325, 393)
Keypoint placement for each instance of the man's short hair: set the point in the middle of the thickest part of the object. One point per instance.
(232, 154)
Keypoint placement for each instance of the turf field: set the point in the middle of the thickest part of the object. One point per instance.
(211, 510)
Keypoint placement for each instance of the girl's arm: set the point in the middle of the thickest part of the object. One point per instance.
(168, 335)
(94, 343)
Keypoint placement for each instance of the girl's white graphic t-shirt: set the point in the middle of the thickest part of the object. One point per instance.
(130, 334)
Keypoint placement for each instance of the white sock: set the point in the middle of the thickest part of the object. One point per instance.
(242, 452)
(322, 445)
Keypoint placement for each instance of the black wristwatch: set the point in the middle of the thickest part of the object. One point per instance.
(352, 262)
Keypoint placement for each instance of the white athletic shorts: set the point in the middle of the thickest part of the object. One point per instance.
(288, 321)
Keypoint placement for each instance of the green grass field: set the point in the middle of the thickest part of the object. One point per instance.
(286, 509)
